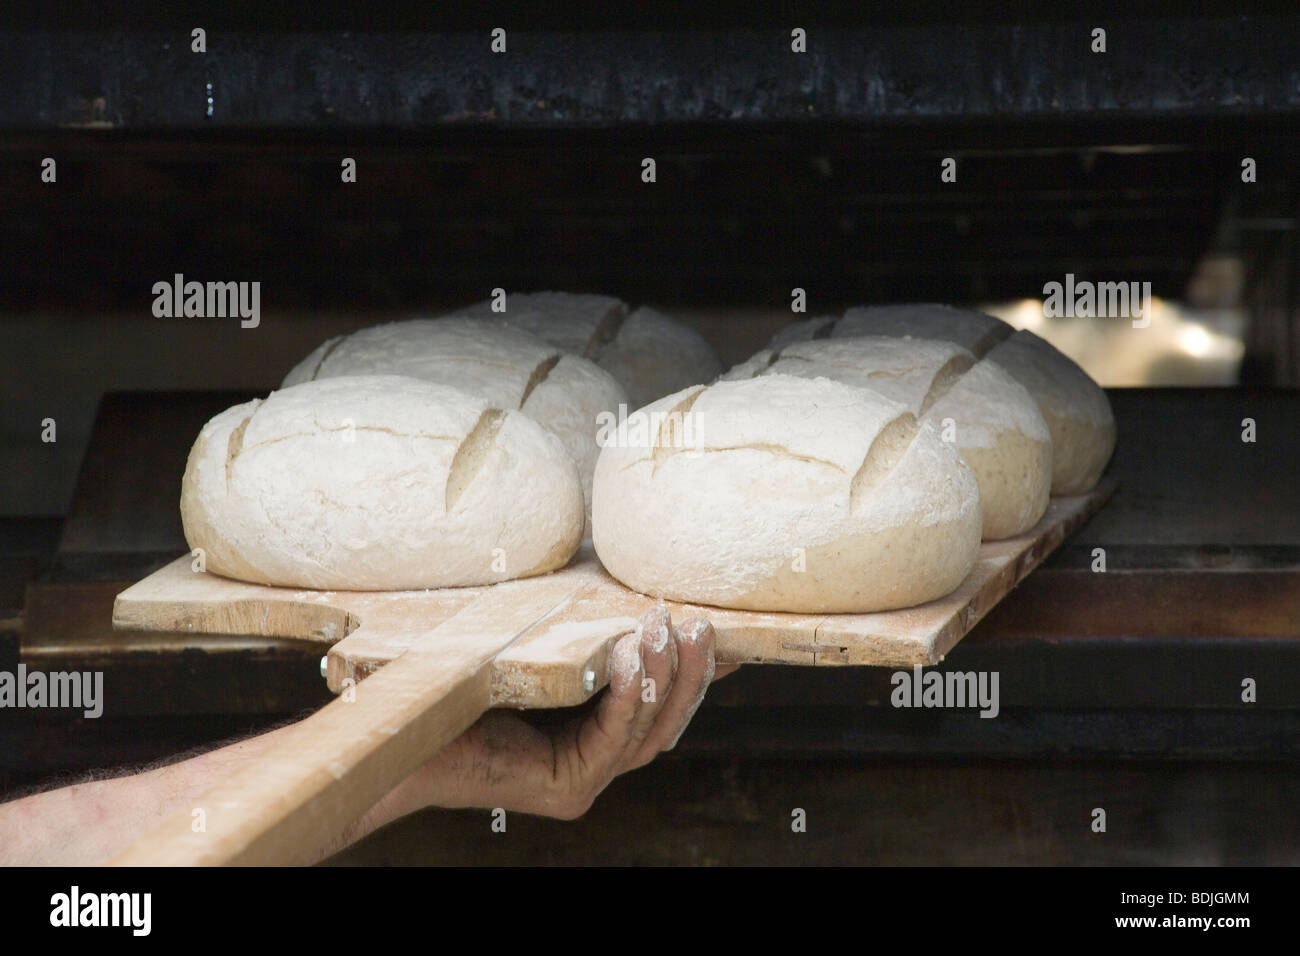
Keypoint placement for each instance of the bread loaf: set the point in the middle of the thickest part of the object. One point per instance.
(992, 420)
(781, 493)
(506, 366)
(649, 353)
(973, 331)
(377, 483)
(1076, 409)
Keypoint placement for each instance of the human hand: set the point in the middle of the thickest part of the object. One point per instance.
(658, 676)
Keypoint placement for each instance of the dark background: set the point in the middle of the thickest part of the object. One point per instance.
(774, 171)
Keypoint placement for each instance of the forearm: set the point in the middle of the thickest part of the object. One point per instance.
(90, 823)
(405, 798)
(502, 761)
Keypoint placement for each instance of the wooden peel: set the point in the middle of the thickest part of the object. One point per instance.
(434, 661)
(325, 771)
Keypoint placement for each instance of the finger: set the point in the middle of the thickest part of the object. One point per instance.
(602, 739)
(585, 760)
(642, 668)
(695, 669)
(659, 651)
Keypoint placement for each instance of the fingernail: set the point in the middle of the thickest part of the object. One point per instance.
(658, 637)
(654, 615)
(654, 623)
(695, 631)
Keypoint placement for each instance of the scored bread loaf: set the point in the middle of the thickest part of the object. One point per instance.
(507, 366)
(781, 493)
(649, 353)
(1076, 409)
(973, 331)
(578, 323)
(990, 418)
(379, 483)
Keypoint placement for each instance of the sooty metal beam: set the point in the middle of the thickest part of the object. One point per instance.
(147, 78)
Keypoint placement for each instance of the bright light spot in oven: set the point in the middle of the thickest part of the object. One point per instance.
(1196, 341)
(1027, 314)
(1180, 346)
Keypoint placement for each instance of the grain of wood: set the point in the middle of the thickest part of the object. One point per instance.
(325, 771)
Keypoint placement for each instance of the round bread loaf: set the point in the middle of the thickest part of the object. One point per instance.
(805, 330)
(781, 493)
(654, 355)
(649, 353)
(507, 366)
(973, 331)
(378, 483)
(991, 419)
(1076, 409)
(578, 323)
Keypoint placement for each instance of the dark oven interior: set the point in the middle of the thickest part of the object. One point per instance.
(1171, 158)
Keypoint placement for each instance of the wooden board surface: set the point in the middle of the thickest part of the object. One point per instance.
(560, 659)
(325, 770)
